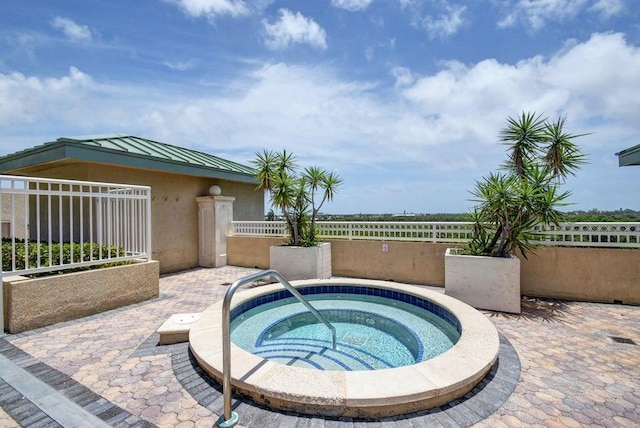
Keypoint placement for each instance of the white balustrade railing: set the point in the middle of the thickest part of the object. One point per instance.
(570, 234)
(259, 228)
(106, 222)
(396, 231)
(591, 234)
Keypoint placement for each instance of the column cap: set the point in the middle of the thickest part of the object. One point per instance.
(215, 198)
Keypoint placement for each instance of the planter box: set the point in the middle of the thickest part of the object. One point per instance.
(34, 303)
(295, 263)
(491, 283)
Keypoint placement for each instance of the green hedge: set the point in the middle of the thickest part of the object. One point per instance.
(79, 252)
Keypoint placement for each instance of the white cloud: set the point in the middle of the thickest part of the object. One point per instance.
(436, 131)
(607, 84)
(370, 51)
(316, 112)
(351, 5)
(594, 80)
(26, 43)
(280, 104)
(71, 29)
(409, 3)
(72, 104)
(445, 19)
(294, 28)
(26, 100)
(608, 8)
(277, 106)
(181, 65)
(536, 13)
(446, 24)
(404, 77)
(212, 8)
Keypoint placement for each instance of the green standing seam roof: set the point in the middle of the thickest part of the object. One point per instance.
(132, 151)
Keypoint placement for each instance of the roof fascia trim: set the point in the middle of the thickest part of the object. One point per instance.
(630, 156)
(39, 155)
(100, 155)
(66, 149)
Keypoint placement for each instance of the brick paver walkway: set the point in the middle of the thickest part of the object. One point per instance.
(579, 365)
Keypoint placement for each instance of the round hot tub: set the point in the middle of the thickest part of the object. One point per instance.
(400, 348)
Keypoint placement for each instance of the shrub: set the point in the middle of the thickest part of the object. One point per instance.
(56, 254)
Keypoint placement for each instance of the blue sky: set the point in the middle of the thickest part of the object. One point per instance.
(403, 98)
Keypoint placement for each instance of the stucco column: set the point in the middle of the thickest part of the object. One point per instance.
(215, 214)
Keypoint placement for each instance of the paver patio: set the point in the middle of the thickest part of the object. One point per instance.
(579, 365)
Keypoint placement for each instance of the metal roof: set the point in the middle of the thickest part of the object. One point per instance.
(130, 151)
(630, 156)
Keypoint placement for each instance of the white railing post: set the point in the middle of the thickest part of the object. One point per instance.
(1, 270)
(148, 248)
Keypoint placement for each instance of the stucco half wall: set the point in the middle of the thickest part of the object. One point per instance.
(33, 303)
(587, 274)
(590, 274)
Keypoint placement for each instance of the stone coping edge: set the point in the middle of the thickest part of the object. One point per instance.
(360, 394)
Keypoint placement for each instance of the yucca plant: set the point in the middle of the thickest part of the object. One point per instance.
(511, 203)
(298, 195)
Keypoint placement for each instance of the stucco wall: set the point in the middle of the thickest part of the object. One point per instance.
(250, 252)
(412, 262)
(33, 303)
(13, 210)
(174, 209)
(589, 274)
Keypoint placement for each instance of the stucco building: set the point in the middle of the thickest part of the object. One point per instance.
(176, 175)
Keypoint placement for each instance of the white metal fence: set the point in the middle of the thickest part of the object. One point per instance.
(104, 222)
(577, 234)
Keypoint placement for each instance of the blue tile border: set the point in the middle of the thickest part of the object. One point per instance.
(425, 304)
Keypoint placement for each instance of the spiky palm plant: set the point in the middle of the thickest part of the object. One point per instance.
(512, 203)
(294, 194)
(327, 182)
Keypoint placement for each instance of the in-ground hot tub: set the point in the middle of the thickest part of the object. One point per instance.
(294, 367)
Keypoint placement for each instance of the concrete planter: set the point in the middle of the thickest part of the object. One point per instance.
(296, 263)
(491, 283)
(34, 303)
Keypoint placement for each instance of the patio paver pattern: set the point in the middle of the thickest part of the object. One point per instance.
(579, 365)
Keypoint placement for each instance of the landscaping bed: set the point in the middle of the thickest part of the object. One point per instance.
(31, 303)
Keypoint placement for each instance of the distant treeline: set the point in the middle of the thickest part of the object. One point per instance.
(597, 215)
(591, 215)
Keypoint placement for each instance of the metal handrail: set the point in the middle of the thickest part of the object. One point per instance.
(230, 418)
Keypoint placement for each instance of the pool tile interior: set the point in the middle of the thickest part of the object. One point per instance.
(350, 289)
